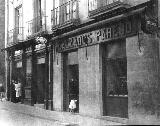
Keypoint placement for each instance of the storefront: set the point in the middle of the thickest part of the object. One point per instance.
(110, 66)
(105, 62)
(94, 69)
(27, 64)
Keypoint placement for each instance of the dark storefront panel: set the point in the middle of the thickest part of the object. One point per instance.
(40, 83)
(115, 93)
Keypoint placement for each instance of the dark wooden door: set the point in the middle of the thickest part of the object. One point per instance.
(40, 92)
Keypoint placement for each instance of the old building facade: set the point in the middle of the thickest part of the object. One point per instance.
(103, 53)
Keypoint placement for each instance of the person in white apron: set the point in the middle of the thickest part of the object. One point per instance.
(18, 91)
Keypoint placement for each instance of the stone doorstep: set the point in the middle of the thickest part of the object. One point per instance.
(63, 117)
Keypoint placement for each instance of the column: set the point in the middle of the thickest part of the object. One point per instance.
(51, 76)
(8, 75)
(143, 79)
(23, 73)
(33, 80)
(12, 75)
(46, 76)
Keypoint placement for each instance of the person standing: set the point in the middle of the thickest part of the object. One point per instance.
(13, 92)
(18, 91)
(1, 92)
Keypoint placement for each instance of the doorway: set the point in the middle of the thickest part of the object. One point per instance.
(40, 87)
(73, 85)
(71, 80)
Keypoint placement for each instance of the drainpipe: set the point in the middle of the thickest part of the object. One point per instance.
(7, 73)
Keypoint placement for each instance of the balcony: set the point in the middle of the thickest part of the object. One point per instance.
(65, 16)
(36, 27)
(101, 8)
(15, 36)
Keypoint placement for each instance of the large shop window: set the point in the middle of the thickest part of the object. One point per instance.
(116, 69)
(115, 93)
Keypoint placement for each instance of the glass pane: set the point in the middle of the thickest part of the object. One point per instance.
(116, 50)
(74, 10)
(116, 68)
(116, 77)
(92, 5)
(57, 16)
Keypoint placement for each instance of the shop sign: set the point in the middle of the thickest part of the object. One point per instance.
(118, 30)
(18, 52)
(40, 43)
(19, 64)
(41, 60)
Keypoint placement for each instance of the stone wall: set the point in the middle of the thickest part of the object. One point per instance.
(57, 82)
(143, 79)
(90, 86)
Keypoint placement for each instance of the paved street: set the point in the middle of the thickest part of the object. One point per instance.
(16, 114)
(13, 118)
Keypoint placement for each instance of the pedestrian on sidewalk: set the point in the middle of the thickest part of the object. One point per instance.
(2, 92)
(13, 91)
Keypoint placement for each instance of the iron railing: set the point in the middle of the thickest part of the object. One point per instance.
(36, 25)
(15, 35)
(66, 12)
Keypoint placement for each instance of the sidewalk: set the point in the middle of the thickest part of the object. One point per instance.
(64, 118)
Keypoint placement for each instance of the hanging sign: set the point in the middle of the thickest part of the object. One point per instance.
(40, 43)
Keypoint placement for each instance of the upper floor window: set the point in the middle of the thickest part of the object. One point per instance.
(70, 10)
(18, 19)
(95, 4)
(64, 10)
(92, 5)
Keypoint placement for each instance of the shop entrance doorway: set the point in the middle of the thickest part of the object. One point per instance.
(73, 85)
(70, 80)
(40, 89)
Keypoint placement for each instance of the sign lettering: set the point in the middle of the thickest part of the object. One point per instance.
(104, 34)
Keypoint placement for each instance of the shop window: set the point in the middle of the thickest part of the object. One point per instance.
(116, 69)
(116, 77)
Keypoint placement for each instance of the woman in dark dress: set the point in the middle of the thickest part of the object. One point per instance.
(13, 92)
